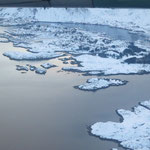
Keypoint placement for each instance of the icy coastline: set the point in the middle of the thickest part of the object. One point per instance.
(96, 53)
(134, 130)
(96, 65)
(133, 19)
(94, 84)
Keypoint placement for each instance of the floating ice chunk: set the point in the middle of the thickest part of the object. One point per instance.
(94, 84)
(21, 68)
(133, 132)
(32, 68)
(31, 56)
(40, 71)
(48, 65)
(114, 149)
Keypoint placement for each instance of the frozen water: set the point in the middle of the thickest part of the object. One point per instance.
(134, 130)
(94, 84)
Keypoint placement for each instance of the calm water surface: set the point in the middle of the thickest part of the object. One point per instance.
(40, 112)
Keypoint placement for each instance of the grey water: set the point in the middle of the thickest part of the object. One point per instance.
(113, 32)
(40, 112)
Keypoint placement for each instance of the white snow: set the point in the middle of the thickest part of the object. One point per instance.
(132, 19)
(30, 56)
(32, 68)
(40, 70)
(21, 68)
(146, 104)
(46, 40)
(3, 40)
(48, 65)
(133, 132)
(100, 83)
(106, 66)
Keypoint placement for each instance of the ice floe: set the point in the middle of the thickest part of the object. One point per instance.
(94, 84)
(21, 68)
(40, 71)
(134, 130)
(32, 68)
(48, 65)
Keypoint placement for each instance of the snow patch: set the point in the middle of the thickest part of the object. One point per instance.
(48, 65)
(94, 84)
(133, 132)
(106, 66)
(40, 71)
(30, 56)
(132, 19)
(21, 68)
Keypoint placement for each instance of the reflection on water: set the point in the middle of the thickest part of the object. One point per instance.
(46, 113)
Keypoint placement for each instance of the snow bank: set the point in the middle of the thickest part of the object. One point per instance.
(133, 132)
(146, 104)
(106, 66)
(30, 56)
(94, 84)
(132, 19)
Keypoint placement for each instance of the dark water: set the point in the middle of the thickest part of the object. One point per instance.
(46, 113)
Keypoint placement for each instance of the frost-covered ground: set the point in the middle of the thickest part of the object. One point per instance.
(134, 130)
(96, 52)
(94, 84)
(132, 19)
(95, 65)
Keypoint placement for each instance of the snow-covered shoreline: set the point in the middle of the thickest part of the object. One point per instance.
(89, 64)
(134, 130)
(96, 53)
(135, 20)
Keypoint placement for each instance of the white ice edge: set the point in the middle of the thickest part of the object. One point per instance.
(134, 130)
(30, 56)
(107, 66)
(100, 83)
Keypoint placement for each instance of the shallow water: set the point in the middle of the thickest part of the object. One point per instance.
(113, 32)
(46, 112)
